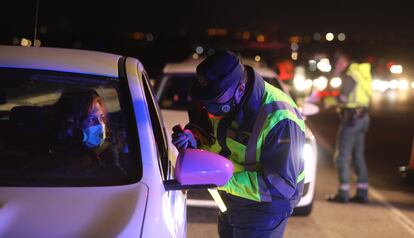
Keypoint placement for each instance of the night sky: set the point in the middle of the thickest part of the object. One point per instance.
(359, 17)
(96, 23)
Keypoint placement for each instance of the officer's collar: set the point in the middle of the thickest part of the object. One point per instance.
(251, 101)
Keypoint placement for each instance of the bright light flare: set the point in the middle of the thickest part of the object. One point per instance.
(380, 85)
(403, 84)
(335, 82)
(329, 36)
(412, 84)
(393, 84)
(25, 42)
(396, 69)
(324, 65)
(307, 152)
(257, 58)
(320, 83)
(299, 82)
(308, 83)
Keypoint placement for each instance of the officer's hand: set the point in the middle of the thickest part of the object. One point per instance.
(184, 140)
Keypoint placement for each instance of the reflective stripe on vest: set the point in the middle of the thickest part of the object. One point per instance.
(276, 106)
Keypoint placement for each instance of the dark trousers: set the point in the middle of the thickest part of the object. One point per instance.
(351, 144)
(251, 225)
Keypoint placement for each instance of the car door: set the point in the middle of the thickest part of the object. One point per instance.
(48, 186)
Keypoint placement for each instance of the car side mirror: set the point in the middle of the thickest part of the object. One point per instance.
(200, 169)
(308, 109)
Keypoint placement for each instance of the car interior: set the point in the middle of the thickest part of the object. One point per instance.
(29, 152)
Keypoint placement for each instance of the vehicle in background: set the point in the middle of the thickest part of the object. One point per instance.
(172, 94)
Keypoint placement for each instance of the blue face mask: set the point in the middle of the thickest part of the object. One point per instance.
(94, 136)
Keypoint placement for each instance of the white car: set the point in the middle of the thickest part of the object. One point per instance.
(172, 94)
(40, 199)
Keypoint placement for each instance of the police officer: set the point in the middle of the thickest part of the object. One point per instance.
(236, 114)
(353, 103)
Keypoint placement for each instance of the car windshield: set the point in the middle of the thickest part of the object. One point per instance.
(51, 137)
(172, 91)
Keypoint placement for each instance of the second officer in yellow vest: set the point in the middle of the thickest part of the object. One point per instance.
(353, 103)
(235, 113)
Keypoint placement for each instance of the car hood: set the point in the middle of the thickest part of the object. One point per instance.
(116, 211)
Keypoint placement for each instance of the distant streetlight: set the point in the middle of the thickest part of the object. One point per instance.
(317, 36)
(25, 42)
(260, 38)
(37, 43)
(257, 58)
(294, 55)
(246, 35)
(341, 36)
(199, 50)
(294, 46)
(149, 37)
(329, 36)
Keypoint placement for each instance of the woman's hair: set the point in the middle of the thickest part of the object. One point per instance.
(73, 108)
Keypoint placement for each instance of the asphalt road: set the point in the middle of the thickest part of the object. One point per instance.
(390, 212)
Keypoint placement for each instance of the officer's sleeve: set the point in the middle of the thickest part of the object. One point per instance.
(282, 162)
(281, 174)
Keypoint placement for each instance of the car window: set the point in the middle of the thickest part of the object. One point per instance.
(172, 92)
(158, 128)
(45, 140)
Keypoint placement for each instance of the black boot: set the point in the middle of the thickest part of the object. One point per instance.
(361, 196)
(340, 197)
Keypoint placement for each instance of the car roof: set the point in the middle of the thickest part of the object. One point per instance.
(189, 67)
(59, 59)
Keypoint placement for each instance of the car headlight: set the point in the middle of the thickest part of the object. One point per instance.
(307, 152)
(307, 155)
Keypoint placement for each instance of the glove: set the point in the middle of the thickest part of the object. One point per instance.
(183, 140)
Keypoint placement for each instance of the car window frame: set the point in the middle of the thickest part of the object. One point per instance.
(161, 136)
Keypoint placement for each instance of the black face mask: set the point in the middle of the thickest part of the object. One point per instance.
(222, 109)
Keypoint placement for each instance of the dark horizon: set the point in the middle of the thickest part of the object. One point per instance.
(381, 27)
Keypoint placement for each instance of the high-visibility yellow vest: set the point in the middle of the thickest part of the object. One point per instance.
(361, 94)
(276, 106)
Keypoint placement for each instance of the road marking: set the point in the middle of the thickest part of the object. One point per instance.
(201, 203)
(394, 212)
